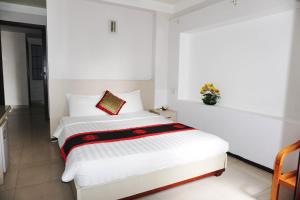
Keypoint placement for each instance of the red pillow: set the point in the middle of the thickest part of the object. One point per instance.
(110, 103)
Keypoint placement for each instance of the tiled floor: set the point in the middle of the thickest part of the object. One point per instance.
(35, 163)
(36, 167)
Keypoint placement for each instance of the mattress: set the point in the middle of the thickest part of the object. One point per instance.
(103, 163)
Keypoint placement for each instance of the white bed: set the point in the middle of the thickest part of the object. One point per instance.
(120, 169)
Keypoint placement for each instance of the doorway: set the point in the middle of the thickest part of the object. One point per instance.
(23, 65)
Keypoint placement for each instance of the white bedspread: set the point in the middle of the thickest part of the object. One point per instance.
(106, 162)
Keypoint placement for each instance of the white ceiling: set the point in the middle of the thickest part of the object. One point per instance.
(42, 3)
(169, 1)
(167, 6)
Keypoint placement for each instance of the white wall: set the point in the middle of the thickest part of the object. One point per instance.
(254, 136)
(248, 61)
(81, 49)
(36, 86)
(161, 59)
(81, 46)
(14, 68)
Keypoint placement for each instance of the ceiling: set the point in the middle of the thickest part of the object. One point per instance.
(35, 3)
(168, 6)
(42, 3)
(169, 1)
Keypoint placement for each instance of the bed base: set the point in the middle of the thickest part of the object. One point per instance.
(143, 185)
(143, 194)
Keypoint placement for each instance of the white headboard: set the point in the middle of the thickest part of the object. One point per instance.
(58, 88)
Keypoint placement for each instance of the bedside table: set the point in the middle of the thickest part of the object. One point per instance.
(169, 114)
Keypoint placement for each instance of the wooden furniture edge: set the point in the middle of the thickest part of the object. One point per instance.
(143, 194)
(297, 192)
(278, 167)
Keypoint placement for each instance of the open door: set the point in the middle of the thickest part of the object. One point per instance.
(45, 71)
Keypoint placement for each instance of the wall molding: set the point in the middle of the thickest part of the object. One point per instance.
(187, 6)
(271, 8)
(148, 5)
(179, 7)
(11, 7)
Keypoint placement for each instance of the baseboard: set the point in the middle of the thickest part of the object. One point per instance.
(19, 106)
(267, 169)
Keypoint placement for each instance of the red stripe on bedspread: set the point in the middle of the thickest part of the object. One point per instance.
(96, 137)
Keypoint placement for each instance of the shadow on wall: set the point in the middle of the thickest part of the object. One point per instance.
(291, 124)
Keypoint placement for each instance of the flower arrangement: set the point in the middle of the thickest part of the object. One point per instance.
(210, 94)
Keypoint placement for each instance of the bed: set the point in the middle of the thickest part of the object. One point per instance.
(128, 169)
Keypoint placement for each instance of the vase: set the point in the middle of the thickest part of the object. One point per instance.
(210, 99)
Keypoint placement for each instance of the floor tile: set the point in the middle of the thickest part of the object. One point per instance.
(231, 160)
(39, 174)
(15, 157)
(53, 190)
(7, 195)
(10, 179)
(40, 152)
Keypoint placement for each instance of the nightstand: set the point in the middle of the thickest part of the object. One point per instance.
(169, 114)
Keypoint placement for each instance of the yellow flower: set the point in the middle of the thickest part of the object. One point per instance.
(209, 87)
(203, 90)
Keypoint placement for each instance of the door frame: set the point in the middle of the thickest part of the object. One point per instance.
(29, 68)
(42, 28)
(2, 97)
(28, 71)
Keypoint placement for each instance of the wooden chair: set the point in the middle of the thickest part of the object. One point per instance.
(297, 192)
(289, 178)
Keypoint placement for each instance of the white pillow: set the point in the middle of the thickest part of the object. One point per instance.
(81, 105)
(133, 102)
